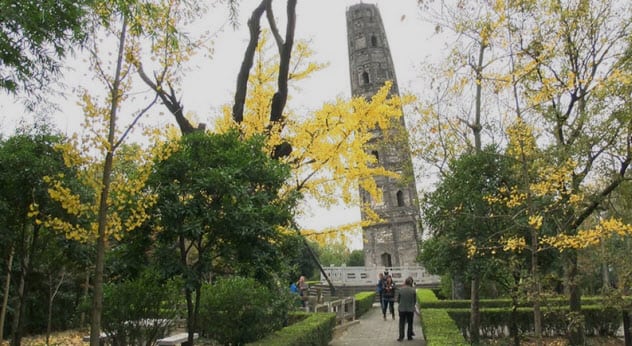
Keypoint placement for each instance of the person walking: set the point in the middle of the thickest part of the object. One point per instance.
(380, 289)
(406, 300)
(388, 295)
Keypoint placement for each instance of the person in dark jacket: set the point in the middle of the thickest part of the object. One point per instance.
(380, 289)
(388, 295)
(406, 300)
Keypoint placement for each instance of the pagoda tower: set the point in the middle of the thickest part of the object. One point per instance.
(393, 242)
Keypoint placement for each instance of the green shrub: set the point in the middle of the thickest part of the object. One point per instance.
(240, 310)
(363, 302)
(316, 330)
(439, 328)
(444, 320)
(555, 322)
(139, 311)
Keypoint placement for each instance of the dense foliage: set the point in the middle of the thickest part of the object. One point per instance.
(226, 317)
(34, 37)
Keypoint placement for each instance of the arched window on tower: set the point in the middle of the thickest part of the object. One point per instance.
(376, 155)
(365, 78)
(373, 41)
(400, 198)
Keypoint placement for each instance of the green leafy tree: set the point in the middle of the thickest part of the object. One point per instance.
(25, 160)
(356, 258)
(34, 38)
(333, 253)
(221, 207)
(463, 225)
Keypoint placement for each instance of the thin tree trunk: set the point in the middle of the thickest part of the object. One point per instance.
(475, 314)
(5, 296)
(52, 293)
(16, 327)
(86, 290)
(513, 323)
(537, 314)
(627, 336)
(97, 303)
(16, 335)
(605, 275)
(576, 335)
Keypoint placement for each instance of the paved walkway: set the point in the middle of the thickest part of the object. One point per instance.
(371, 329)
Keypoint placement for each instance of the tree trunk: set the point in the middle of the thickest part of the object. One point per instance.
(605, 274)
(537, 314)
(188, 292)
(86, 290)
(475, 314)
(5, 296)
(576, 333)
(97, 302)
(627, 336)
(513, 323)
(16, 327)
(52, 293)
(196, 313)
(97, 298)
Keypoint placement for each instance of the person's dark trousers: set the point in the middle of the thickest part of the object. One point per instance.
(405, 317)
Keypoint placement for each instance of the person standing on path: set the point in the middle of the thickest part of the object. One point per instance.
(389, 296)
(406, 300)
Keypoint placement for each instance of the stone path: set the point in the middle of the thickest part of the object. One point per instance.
(371, 329)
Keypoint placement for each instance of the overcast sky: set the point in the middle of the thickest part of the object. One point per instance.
(323, 22)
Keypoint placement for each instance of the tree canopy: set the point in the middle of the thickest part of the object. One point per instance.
(35, 36)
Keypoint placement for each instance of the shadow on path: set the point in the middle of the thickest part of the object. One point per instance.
(371, 329)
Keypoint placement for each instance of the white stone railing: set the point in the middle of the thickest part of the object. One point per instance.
(364, 276)
(344, 309)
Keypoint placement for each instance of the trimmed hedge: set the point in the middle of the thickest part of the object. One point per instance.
(598, 320)
(426, 296)
(446, 322)
(315, 329)
(500, 303)
(363, 302)
(439, 328)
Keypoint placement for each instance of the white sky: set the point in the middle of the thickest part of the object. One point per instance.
(323, 22)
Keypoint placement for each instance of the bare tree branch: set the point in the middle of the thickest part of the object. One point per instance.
(246, 64)
(280, 97)
(273, 26)
(170, 100)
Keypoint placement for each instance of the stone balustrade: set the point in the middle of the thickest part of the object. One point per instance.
(366, 276)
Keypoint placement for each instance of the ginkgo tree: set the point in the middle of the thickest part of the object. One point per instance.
(117, 202)
(326, 147)
(560, 67)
